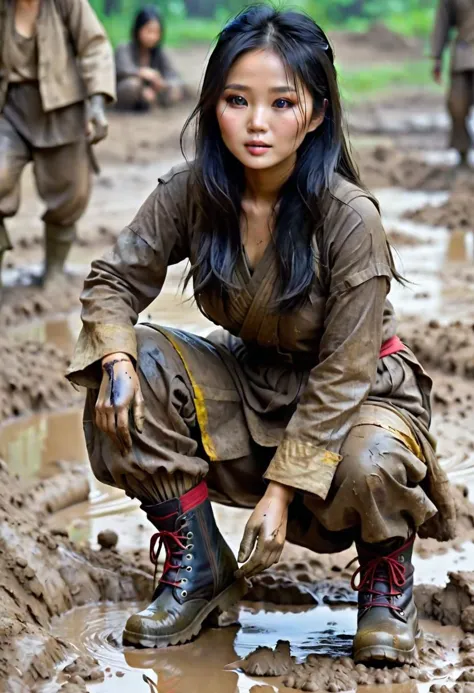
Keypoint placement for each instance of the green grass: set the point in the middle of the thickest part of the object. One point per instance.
(179, 32)
(364, 82)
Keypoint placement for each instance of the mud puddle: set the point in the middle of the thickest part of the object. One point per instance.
(434, 266)
(198, 666)
(32, 446)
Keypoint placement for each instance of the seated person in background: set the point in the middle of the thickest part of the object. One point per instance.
(144, 73)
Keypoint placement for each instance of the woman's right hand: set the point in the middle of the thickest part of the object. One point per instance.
(119, 390)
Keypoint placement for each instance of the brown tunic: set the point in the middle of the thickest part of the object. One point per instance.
(302, 377)
(459, 15)
(23, 107)
(75, 58)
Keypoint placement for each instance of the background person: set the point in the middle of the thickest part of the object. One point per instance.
(145, 76)
(457, 15)
(57, 76)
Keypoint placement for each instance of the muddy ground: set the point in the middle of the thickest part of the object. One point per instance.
(73, 553)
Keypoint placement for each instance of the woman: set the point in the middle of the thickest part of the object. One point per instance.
(306, 405)
(145, 76)
(57, 75)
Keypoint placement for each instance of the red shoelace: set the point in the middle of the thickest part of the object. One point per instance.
(174, 547)
(386, 569)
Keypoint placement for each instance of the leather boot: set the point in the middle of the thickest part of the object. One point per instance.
(198, 575)
(58, 242)
(387, 621)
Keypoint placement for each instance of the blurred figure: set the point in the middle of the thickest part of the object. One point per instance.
(145, 76)
(458, 15)
(57, 74)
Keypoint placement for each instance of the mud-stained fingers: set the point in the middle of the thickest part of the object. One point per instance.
(139, 410)
(101, 419)
(248, 542)
(273, 558)
(256, 561)
(123, 431)
(111, 427)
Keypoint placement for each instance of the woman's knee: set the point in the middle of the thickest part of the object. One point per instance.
(368, 453)
(129, 92)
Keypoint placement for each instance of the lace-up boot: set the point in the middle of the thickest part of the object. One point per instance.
(198, 574)
(387, 622)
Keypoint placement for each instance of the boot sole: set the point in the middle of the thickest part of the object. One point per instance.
(230, 596)
(382, 653)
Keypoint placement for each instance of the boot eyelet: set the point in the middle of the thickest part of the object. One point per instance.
(401, 559)
(189, 547)
(402, 613)
(189, 568)
(184, 593)
(184, 580)
(189, 535)
(189, 557)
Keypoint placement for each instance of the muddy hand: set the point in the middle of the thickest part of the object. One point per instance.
(97, 124)
(265, 531)
(119, 390)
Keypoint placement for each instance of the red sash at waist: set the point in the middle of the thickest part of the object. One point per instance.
(391, 346)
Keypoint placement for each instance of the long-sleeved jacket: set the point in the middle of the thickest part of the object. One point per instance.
(325, 354)
(75, 58)
(458, 15)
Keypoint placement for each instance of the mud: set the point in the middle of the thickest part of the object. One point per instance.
(317, 673)
(387, 166)
(32, 379)
(455, 214)
(448, 348)
(73, 559)
(43, 574)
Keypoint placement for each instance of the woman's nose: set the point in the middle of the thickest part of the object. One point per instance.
(258, 120)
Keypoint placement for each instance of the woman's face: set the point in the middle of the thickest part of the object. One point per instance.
(150, 34)
(262, 117)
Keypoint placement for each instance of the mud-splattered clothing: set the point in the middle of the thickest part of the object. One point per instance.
(45, 80)
(23, 107)
(75, 58)
(457, 16)
(129, 83)
(294, 386)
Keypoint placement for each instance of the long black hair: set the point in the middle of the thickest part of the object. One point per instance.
(219, 177)
(146, 14)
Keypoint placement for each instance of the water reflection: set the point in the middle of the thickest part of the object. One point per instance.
(31, 446)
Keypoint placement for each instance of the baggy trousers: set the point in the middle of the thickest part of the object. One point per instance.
(62, 175)
(375, 494)
(460, 100)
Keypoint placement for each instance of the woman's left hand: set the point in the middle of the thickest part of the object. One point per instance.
(265, 530)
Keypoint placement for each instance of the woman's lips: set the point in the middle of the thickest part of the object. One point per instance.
(257, 149)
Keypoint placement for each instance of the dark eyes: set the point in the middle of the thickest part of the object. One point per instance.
(241, 101)
(236, 100)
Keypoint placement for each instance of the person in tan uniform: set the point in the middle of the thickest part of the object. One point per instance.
(457, 15)
(57, 75)
(304, 405)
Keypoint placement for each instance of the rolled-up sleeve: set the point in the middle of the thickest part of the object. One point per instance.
(128, 278)
(359, 265)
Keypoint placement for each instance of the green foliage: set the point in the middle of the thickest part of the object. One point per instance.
(358, 84)
(410, 17)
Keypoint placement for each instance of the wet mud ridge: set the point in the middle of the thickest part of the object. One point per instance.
(454, 214)
(386, 166)
(29, 382)
(43, 574)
